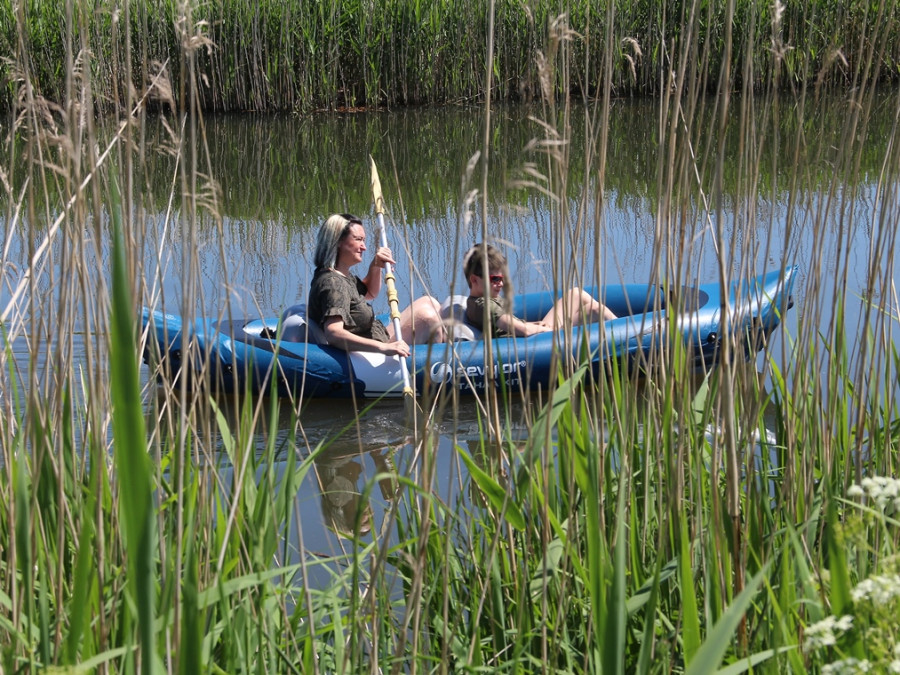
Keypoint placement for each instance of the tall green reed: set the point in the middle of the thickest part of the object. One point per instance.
(301, 56)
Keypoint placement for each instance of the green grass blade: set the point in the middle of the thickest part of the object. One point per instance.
(547, 419)
(750, 662)
(709, 656)
(643, 662)
(499, 499)
(614, 642)
(841, 600)
(191, 653)
(690, 630)
(130, 444)
(92, 664)
(24, 553)
(79, 610)
(643, 595)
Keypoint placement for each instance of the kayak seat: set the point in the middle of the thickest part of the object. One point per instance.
(453, 314)
(297, 327)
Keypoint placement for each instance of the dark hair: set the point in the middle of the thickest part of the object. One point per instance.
(473, 260)
(351, 219)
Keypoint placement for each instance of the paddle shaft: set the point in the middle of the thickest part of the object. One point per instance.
(393, 300)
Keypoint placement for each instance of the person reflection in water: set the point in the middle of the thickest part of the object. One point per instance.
(343, 506)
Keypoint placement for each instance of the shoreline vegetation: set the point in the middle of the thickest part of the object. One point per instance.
(647, 524)
(349, 55)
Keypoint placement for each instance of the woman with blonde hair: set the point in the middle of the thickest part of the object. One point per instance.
(338, 299)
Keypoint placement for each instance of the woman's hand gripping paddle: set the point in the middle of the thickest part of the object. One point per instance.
(394, 303)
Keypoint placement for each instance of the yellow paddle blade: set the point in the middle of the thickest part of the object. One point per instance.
(376, 188)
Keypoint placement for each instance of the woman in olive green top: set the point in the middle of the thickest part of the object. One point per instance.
(338, 298)
(577, 304)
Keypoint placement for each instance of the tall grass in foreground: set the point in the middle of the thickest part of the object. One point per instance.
(647, 524)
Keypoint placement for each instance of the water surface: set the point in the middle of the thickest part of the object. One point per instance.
(787, 199)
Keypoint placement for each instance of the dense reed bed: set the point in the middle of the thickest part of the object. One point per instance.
(287, 56)
(649, 523)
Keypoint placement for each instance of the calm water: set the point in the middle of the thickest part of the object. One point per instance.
(277, 178)
(280, 177)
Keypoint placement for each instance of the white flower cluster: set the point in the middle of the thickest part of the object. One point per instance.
(895, 664)
(879, 590)
(846, 667)
(882, 490)
(825, 633)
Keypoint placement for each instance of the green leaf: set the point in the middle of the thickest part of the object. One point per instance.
(499, 499)
(700, 402)
(561, 401)
(84, 572)
(190, 658)
(130, 442)
(614, 642)
(643, 664)
(690, 631)
(711, 652)
(744, 665)
(643, 594)
(841, 600)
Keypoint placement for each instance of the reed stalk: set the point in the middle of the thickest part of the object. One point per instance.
(297, 56)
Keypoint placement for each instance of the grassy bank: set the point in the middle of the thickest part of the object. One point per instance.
(648, 524)
(266, 56)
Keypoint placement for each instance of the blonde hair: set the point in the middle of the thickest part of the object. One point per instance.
(330, 236)
(473, 261)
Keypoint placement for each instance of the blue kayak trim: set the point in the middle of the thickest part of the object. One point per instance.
(245, 355)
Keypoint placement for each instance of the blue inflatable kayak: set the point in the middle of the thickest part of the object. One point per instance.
(289, 353)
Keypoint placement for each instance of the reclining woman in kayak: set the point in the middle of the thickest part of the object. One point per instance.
(337, 297)
(576, 304)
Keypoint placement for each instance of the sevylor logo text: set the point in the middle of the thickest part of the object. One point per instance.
(473, 376)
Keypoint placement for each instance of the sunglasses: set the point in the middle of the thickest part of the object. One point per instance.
(496, 278)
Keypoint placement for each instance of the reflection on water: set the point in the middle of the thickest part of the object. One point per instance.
(275, 193)
(360, 453)
(344, 508)
(363, 458)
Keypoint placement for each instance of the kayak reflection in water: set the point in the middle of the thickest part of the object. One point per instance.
(343, 507)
